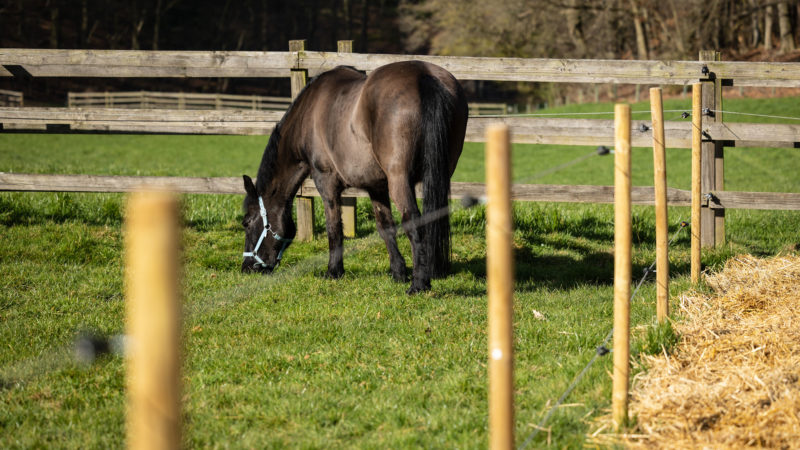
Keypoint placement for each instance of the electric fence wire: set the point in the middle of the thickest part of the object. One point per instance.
(601, 350)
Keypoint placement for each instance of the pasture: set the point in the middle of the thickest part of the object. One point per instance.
(298, 360)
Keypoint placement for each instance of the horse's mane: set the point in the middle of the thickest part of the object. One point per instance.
(266, 171)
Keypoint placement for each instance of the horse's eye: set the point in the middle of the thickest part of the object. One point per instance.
(244, 222)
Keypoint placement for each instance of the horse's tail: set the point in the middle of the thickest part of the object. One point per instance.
(438, 108)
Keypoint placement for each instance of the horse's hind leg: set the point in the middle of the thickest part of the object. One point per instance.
(386, 228)
(402, 193)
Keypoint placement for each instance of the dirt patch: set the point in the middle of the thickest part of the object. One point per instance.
(734, 378)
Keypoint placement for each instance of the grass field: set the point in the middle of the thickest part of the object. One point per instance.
(301, 361)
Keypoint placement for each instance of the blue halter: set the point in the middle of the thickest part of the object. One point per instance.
(267, 228)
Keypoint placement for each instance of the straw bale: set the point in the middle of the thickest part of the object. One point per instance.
(734, 378)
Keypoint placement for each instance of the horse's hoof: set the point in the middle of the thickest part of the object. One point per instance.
(334, 274)
(417, 287)
(400, 277)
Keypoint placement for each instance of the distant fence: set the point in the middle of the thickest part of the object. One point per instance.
(183, 100)
(10, 98)
(175, 100)
(298, 63)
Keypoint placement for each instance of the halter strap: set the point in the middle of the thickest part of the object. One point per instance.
(267, 228)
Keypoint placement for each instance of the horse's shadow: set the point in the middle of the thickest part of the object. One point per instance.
(583, 265)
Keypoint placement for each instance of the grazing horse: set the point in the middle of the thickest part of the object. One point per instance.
(402, 124)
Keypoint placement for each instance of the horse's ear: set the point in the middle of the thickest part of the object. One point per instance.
(249, 186)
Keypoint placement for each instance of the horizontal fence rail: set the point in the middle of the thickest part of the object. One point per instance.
(249, 64)
(528, 130)
(640, 195)
(175, 100)
(10, 98)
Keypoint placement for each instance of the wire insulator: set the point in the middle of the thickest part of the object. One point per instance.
(603, 150)
(469, 201)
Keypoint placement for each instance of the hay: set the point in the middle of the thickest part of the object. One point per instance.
(734, 378)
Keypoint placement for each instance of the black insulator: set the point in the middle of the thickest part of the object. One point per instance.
(89, 346)
(643, 128)
(685, 115)
(603, 150)
(602, 350)
(469, 201)
(684, 224)
(704, 70)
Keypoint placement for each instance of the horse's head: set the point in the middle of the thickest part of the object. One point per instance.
(268, 230)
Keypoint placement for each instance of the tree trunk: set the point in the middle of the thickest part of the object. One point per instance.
(755, 23)
(785, 27)
(638, 24)
(575, 27)
(364, 23)
(54, 27)
(768, 11)
(83, 37)
(679, 39)
(156, 24)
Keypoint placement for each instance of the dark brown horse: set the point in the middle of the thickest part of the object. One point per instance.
(402, 124)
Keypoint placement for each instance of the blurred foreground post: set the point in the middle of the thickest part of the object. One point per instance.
(622, 262)
(500, 286)
(660, 183)
(153, 321)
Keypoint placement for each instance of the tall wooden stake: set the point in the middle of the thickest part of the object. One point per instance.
(660, 183)
(500, 283)
(153, 322)
(304, 205)
(697, 140)
(622, 262)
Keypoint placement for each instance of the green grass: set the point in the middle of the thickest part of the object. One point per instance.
(297, 360)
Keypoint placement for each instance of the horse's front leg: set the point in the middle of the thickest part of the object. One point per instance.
(331, 191)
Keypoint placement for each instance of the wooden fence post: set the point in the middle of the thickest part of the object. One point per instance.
(349, 221)
(712, 171)
(500, 286)
(622, 262)
(153, 321)
(697, 157)
(660, 187)
(304, 205)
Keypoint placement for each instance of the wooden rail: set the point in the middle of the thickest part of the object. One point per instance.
(10, 98)
(640, 195)
(529, 130)
(175, 100)
(243, 64)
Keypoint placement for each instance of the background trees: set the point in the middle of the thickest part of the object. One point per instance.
(627, 29)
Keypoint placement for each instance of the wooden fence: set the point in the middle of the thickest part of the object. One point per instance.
(183, 100)
(175, 100)
(298, 63)
(10, 98)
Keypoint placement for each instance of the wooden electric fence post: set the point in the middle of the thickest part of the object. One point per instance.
(349, 222)
(304, 205)
(500, 286)
(713, 157)
(153, 321)
(697, 139)
(660, 183)
(622, 262)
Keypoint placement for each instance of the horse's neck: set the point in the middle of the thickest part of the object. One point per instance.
(287, 177)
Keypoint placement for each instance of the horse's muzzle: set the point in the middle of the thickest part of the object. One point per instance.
(255, 267)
